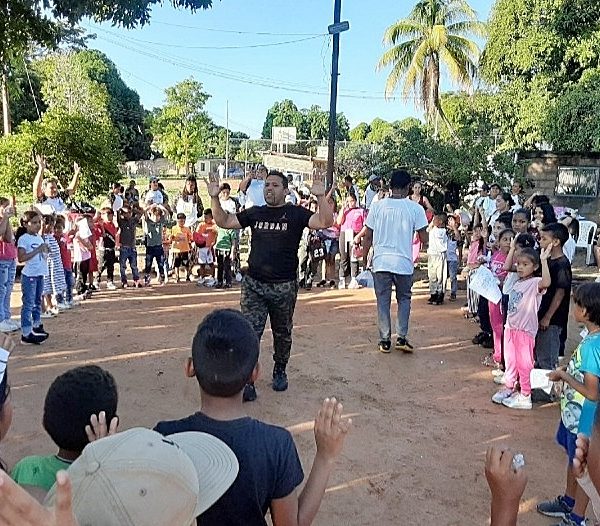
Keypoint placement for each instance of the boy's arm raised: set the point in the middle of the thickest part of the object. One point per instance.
(330, 433)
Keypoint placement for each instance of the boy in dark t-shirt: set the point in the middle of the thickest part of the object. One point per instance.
(224, 358)
(554, 310)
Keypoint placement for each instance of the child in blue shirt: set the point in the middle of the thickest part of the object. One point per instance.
(581, 380)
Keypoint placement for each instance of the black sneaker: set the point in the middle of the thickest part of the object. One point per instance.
(385, 346)
(478, 338)
(439, 300)
(33, 339)
(432, 299)
(249, 393)
(452, 297)
(487, 342)
(403, 345)
(280, 380)
(39, 331)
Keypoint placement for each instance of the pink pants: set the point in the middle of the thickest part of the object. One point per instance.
(497, 323)
(518, 357)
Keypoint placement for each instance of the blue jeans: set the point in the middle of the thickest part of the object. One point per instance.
(8, 269)
(69, 281)
(31, 311)
(452, 274)
(128, 254)
(383, 282)
(155, 253)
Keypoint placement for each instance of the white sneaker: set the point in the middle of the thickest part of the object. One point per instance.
(342, 284)
(499, 379)
(111, 286)
(210, 282)
(497, 372)
(48, 314)
(518, 401)
(16, 324)
(238, 276)
(502, 395)
(200, 281)
(55, 311)
(353, 284)
(63, 306)
(6, 326)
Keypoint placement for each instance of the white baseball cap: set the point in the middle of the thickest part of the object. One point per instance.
(141, 478)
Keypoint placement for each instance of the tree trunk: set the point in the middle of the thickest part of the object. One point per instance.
(5, 101)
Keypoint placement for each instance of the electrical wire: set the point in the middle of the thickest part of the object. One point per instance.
(236, 31)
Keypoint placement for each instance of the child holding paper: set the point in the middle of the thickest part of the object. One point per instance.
(522, 326)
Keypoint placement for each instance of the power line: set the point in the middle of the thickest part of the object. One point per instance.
(185, 46)
(236, 31)
(244, 78)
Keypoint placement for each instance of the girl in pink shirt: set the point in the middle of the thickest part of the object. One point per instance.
(497, 267)
(522, 326)
(351, 221)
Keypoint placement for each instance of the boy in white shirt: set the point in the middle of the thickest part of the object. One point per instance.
(437, 259)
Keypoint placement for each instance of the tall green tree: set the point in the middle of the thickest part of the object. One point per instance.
(435, 34)
(182, 129)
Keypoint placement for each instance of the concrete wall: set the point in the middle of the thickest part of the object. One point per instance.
(543, 172)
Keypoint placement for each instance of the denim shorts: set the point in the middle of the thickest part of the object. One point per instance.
(566, 439)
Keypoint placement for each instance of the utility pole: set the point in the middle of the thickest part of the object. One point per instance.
(335, 29)
(227, 139)
(5, 100)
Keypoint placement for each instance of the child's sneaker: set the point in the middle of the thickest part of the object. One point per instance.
(111, 286)
(48, 314)
(138, 284)
(124, 284)
(6, 326)
(16, 324)
(280, 380)
(403, 345)
(32, 339)
(385, 346)
(63, 306)
(499, 380)
(518, 401)
(554, 508)
(200, 282)
(502, 395)
(146, 280)
(353, 284)
(39, 331)
(452, 297)
(342, 284)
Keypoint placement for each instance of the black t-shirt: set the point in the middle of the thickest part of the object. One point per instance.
(276, 234)
(561, 276)
(269, 467)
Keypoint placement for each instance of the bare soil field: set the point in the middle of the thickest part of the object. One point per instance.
(422, 422)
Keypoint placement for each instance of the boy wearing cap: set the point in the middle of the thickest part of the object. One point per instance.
(71, 400)
(224, 358)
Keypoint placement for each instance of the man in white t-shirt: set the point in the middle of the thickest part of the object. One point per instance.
(372, 190)
(253, 188)
(391, 225)
(153, 196)
(46, 194)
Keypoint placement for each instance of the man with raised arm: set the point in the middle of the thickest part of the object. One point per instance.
(270, 287)
(46, 194)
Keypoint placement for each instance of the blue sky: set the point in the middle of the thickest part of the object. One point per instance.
(178, 44)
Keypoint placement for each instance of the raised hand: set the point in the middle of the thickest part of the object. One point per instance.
(19, 508)
(76, 168)
(546, 253)
(98, 427)
(318, 186)
(213, 184)
(40, 161)
(330, 429)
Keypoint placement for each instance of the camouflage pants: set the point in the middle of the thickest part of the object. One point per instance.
(277, 301)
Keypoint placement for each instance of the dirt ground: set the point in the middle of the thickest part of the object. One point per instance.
(421, 422)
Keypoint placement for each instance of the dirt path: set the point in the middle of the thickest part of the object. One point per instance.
(422, 422)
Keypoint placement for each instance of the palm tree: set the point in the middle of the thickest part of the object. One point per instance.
(434, 33)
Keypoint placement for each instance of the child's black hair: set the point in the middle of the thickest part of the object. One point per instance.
(587, 296)
(574, 228)
(522, 211)
(208, 211)
(525, 241)
(224, 352)
(72, 398)
(549, 216)
(557, 231)
(505, 218)
(530, 254)
(48, 219)
(181, 215)
(506, 231)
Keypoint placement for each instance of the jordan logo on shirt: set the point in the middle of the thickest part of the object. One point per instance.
(271, 225)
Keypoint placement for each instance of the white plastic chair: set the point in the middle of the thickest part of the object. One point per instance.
(587, 234)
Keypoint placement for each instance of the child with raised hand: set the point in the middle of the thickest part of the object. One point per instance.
(578, 402)
(224, 359)
(8, 265)
(71, 401)
(32, 251)
(497, 265)
(521, 328)
(153, 233)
